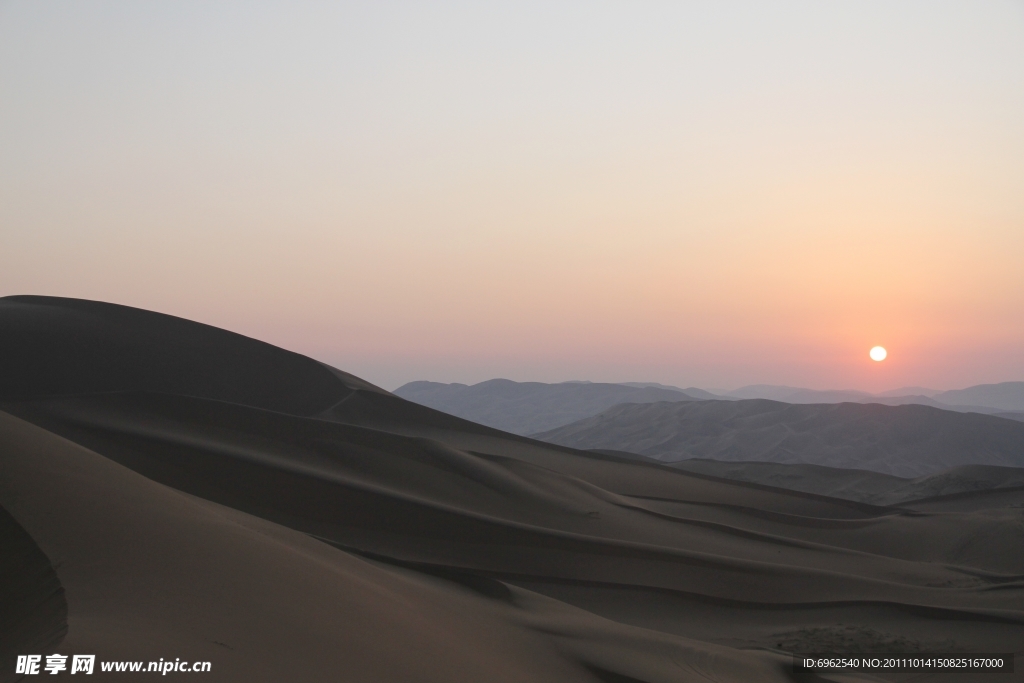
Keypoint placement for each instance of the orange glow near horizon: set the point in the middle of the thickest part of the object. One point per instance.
(675, 193)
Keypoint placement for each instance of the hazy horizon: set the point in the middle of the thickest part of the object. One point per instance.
(714, 390)
(710, 195)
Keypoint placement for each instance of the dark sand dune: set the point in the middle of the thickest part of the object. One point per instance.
(372, 539)
(33, 610)
(153, 573)
(904, 441)
(860, 485)
(68, 346)
(529, 407)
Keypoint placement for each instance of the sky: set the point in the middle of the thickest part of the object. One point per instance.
(703, 194)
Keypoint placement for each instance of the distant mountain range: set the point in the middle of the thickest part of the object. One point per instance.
(904, 441)
(526, 408)
(983, 398)
(1007, 396)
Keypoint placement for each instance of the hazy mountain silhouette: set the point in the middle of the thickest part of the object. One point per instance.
(906, 441)
(996, 399)
(689, 391)
(528, 407)
(786, 394)
(910, 391)
(983, 401)
(531, 407)
(1006, 396)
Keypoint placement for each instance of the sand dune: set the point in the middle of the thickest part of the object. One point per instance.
(860, 485)
(352, 535)
(32, 602)
(68, 346)
(904, 441)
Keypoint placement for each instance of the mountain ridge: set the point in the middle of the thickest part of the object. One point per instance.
(526, 407)
(905, 441)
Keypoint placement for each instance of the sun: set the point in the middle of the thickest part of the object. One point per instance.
(878, 353)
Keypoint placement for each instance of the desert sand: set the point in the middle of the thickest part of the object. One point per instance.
(174, 490)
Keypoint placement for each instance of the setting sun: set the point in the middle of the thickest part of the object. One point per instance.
(878, 353)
